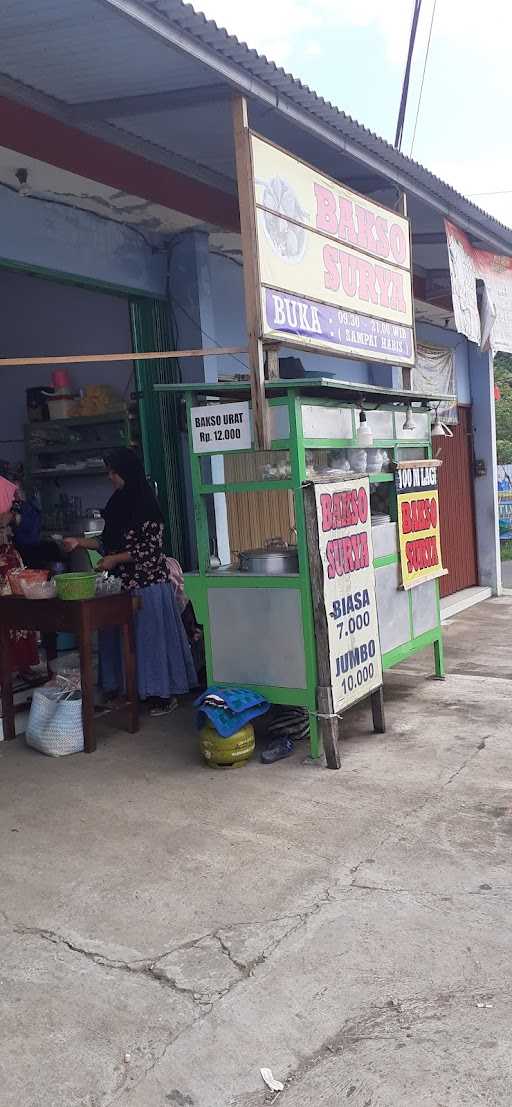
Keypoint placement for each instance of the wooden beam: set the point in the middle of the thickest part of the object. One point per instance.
(244, 172)
(80, 359)
(149, 103)
(430, 238)
(272, 359)
(407, 370)
(66, 147)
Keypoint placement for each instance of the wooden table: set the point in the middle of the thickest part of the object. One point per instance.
(81, 618)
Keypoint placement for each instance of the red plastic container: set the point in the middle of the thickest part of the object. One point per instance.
(61, 380)
(18, 577)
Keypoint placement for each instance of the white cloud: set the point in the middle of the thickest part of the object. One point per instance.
(313, 49)
(484, 181)
(288, 31)
(274, 26)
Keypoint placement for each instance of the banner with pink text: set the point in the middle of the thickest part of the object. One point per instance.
(335, 267)
(346, 554)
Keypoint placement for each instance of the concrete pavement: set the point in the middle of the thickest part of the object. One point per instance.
(166, 930)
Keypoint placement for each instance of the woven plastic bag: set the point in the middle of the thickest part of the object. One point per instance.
(55, 721)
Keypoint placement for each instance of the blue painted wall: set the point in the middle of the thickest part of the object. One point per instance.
(440, 336)
(229, 316)
(485, 487)
(68, 241)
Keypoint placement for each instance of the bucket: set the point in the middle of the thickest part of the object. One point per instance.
(76, 586)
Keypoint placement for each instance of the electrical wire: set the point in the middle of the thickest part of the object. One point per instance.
(76, 207)
(427, 51)
(174, 303)
(168, 249)
(500, 192)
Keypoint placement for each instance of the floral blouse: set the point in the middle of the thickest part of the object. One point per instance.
(148, 564)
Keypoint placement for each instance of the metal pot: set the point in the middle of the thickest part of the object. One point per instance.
(92, 525)
(277, 558)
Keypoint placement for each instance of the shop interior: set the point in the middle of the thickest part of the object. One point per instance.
(58, 423)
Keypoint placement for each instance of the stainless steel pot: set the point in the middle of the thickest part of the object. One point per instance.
(274, 560)
(93, 524)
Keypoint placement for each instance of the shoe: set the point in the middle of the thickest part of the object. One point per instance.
(276, 750)
(163, 707)
(111, 702)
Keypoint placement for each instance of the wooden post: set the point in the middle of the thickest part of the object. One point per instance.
(245, 178)
(328, 721)
(406, 369)
(272, 353)
(379, 719)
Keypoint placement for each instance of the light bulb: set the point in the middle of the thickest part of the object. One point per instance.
(409, 424)
(364, 434)
(437, 430)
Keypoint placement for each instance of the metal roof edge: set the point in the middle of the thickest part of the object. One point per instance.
(255, 76)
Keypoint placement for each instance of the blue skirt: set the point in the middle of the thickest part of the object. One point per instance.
(164, 660)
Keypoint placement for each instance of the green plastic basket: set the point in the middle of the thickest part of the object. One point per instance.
(75, 586)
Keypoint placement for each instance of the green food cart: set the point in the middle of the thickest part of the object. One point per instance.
(259, 628)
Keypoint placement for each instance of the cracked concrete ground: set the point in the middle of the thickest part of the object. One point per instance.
(166, 930)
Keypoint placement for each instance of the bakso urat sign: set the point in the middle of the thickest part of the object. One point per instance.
(334, 267)
(217, 428)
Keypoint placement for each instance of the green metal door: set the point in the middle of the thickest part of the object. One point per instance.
(159, 420)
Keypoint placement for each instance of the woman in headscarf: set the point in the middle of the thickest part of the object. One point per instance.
(132, 550)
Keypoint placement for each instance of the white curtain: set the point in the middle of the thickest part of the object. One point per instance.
(434, 371)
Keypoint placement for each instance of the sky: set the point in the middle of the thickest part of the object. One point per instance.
(353, 53)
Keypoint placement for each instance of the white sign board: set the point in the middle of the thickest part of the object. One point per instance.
(217, 428)
(334, 267)
(346, 551)
(467, 264)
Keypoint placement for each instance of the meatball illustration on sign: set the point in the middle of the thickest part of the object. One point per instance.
(287, 239)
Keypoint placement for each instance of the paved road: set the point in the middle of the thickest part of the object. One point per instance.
(166, 930)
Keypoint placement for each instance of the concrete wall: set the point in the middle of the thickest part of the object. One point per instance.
(485, 487)
(66, 240)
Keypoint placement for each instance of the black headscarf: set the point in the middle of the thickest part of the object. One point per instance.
(131, 506)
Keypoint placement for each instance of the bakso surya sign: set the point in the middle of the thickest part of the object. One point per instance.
(334, 266)
(418, 522)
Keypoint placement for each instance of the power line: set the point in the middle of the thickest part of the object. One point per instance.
(407, 74)
(500, 192)
(423, 75)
